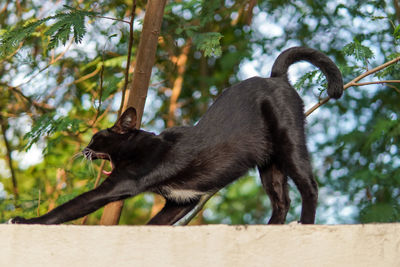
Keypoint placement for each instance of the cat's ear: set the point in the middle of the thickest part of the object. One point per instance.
(126, 122)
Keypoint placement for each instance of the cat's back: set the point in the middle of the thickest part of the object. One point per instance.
(237, 107)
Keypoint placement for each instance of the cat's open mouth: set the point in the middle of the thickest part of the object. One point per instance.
(108, 173)
(92, 155)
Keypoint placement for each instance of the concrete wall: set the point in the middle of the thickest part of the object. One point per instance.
(206, 246)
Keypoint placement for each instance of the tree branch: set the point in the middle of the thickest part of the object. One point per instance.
(397, 9)
(120, 20)
(376, 82)
(4, 7)
(52, 61)
(180, 62)
(128, 62)
(41, 106)
(13, 53)
(3, 125)
(354, 83)
(203, 200)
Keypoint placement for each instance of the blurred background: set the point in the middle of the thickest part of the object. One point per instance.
(62, 69)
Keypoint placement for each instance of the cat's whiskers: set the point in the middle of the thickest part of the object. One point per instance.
(87, 156)
(83, 160)
(89, 163)
(77, 155)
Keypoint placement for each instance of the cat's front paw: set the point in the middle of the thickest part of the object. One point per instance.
(17, 220)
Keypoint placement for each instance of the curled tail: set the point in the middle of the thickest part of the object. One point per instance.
(327, 66)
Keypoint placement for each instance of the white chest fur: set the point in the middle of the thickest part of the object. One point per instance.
(180, 195)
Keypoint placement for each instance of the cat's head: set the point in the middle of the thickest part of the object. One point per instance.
(106, 143)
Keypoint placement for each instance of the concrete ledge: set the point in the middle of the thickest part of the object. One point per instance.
(213, 245)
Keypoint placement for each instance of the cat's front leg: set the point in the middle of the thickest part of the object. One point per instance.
(17, 220)
(112, 189)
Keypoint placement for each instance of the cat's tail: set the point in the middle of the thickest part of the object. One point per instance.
(327, 66)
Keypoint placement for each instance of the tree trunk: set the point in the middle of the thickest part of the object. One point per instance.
(3, 128)
(141, 77)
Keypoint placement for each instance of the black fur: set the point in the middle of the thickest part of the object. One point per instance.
(258, 122)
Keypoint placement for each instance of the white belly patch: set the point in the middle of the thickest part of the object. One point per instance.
(180, 195)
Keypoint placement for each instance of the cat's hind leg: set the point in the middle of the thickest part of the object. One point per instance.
(173, 212)
(276, 187)
(299, 170)
(294, 162)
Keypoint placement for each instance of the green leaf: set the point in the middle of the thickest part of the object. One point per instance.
(178, 30)
(12, 38)
(47, 125)
(67, 23)
(209, 43)
(115, 61)
(72, 22)
(390, 70)
(380, 212)
(111, 86)
(306, 78)
(378, 18)
(396, 32)
(359, 51)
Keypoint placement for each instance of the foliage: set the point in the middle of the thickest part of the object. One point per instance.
(360, 52)
(57, 96)
(209, 43)
(66, 23)
(47, 125)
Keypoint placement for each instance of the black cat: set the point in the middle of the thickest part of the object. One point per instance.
(258, 122)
